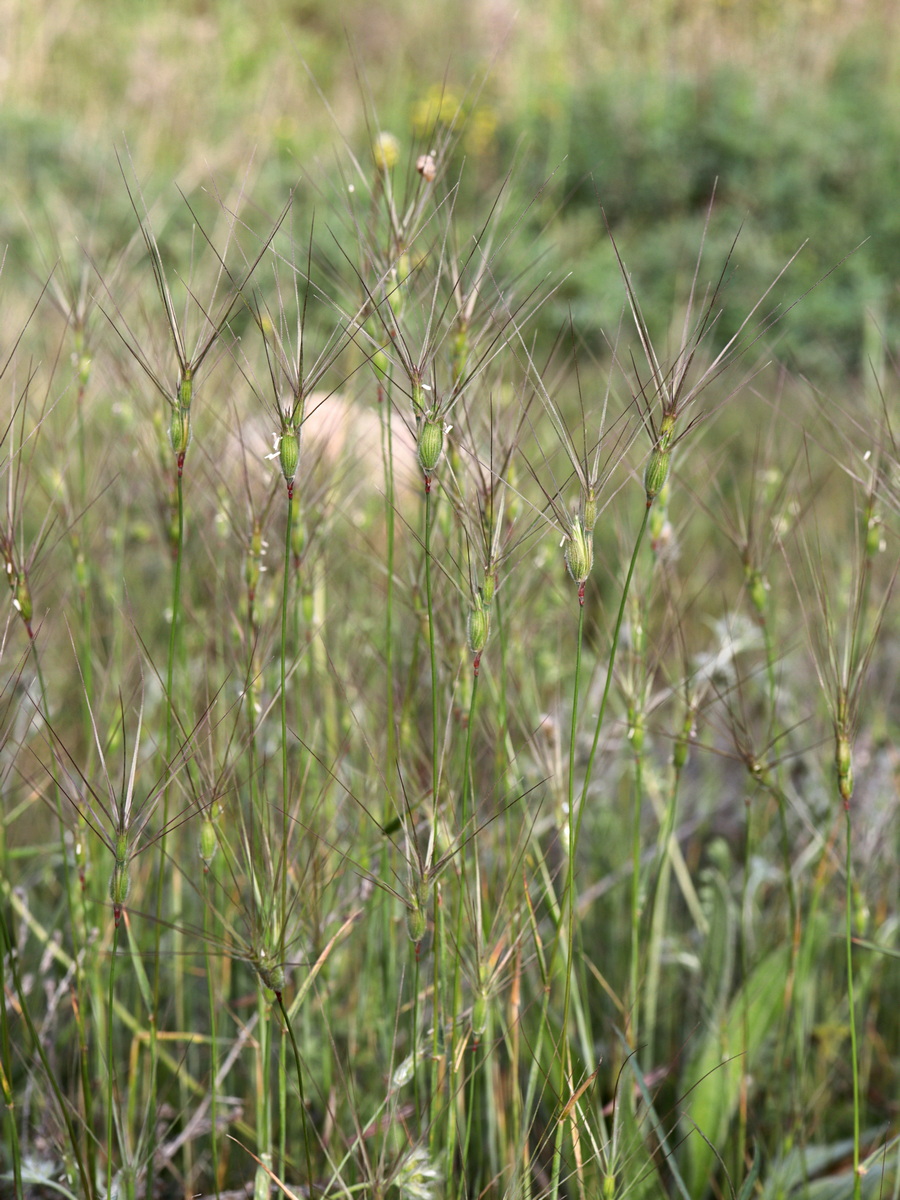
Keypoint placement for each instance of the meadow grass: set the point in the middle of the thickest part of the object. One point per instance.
(487, 788)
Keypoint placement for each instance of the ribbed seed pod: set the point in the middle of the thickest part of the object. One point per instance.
(415, 922)
(757, 591)
(271, 974)
(418, 397)
(430, 447)
(636, 729)
(289, 454)
(489, 587)
(478, 624)
(120, 880)
(186, 389)
(180, 428)
(480, 1013)
(589, 509)
(657, 472)
(209, 843)
(579, 551)
(843, 761)
(681, 749)
(22, 598)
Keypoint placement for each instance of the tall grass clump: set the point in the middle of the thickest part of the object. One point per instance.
(442, 753)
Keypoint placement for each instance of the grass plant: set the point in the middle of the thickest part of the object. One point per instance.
(437, 862)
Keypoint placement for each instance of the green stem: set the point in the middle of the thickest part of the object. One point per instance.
(568, 921)
(293, 1040)
(285, 771)
(110, 1061)
(634, 972)
(387, 452)
(174, 629)
(468, 802)
(264, 1092)
(620, 616)
(214, 1045)
(851, 1000)
(432, 651)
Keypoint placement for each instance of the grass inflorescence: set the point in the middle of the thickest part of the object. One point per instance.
(485, 789)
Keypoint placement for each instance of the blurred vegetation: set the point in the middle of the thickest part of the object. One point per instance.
(788, 114)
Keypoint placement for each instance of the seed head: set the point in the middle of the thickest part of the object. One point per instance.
(636, 730)
(180, 429)
(186, 389)
(120, 880)
(209, 842)
(758, 592)
(682, 748)
(479, 1013)
(874, 538)
(22, 601)
(417, 1177)
(380, 364)
(271, 974)
(478, 624)
(589, 509)
(579, 546)
(657, 472)
(289, 454)
(843, 761)
(430, 447)
(415, 922)
(488, 588)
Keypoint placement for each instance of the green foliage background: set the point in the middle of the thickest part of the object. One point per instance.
(790, 113)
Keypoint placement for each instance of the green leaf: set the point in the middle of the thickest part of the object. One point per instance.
(712, 1082)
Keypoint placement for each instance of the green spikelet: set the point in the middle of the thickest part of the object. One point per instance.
(660, 461)
(418, 396)
(843, 761)
(636, 729)
(430, 447)
(209, 840)
(579, 551)
(657, 472)
(289, 454)
(120, 880)
(478, 625)
(415, 922)
(22, 598)
(589, 509)
(758, 592)
(271, 973)
(186, 389)
(180, 429)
